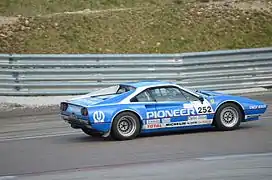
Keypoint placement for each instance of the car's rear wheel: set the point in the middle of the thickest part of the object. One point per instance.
(228, 117)
(125, 126)
(90, 132)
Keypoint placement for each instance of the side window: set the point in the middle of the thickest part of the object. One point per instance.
(142, 97)
(189, 96)
(167, 94)
(123, 89)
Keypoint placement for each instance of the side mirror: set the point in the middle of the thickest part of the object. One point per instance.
(201, 98)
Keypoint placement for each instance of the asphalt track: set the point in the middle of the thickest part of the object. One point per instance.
(43, 147)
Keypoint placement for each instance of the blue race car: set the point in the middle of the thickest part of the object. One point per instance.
(126, 110)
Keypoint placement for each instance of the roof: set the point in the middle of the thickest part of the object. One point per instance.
(146, 83)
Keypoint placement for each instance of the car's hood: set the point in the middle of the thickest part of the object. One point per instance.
(222, 96)
(214, 94)
(210, 93)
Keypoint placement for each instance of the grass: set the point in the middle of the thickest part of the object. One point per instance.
(42, 7)
(160, 27)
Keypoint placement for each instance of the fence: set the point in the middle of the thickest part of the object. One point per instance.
(38, 74)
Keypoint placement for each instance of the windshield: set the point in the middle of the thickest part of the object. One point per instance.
(117, 89)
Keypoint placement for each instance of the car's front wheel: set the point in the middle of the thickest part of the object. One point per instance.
(125, 126)
(228, 117)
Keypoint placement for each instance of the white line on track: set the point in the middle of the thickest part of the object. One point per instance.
(233, 156)
(266, 117)
(38, 136)
(7, 177)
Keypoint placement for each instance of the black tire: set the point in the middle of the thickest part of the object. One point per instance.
(119, 124)
(228, 117)
(91, 132)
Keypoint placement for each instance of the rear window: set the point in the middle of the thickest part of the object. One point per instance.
(117, 89)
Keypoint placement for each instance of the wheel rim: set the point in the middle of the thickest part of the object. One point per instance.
(229, 116)
(126, 126)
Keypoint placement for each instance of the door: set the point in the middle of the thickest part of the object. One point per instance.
(204, 112)
(146, 106)
(178, 108)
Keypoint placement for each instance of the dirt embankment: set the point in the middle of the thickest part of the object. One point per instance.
(173, 26)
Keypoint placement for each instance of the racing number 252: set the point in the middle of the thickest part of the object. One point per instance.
(204, 109)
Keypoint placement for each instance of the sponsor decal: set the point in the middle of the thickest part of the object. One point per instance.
(192, 118)
(170, 113)
(153, 126)
(188, 106)
(257, 107)
(98, 116)
(212, 101)
(153, 121)
(187, 123)
(166, 120)
(252, 116)
(188, 109)
(204, 108)
(207, 121)
(197, 118)
(192, 122)
(175, 124)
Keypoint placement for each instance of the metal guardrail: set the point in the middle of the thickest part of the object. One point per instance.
(37, 74)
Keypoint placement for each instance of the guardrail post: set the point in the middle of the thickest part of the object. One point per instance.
(14, 74)
(16, 80)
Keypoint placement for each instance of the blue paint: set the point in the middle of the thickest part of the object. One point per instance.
(146, 131)
(107, 107)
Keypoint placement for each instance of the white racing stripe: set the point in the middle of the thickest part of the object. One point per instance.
(16, 138)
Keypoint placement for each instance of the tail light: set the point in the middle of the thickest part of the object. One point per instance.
(63, 106)
(84, 111)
